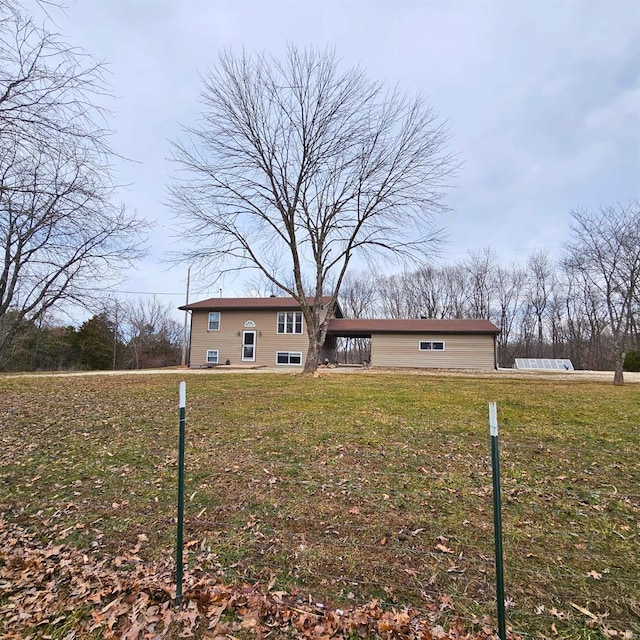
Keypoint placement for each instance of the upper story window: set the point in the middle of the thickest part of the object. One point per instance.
(290, 322)
(214, 321)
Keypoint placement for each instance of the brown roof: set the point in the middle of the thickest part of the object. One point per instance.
(362, 327)
(348, 326)
(215, 304)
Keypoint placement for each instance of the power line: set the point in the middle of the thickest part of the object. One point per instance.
(151, 293)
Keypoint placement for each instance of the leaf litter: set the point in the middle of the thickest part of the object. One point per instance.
(46, 587)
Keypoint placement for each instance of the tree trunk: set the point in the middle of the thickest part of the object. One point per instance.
(618, 375)
(317, 332)
(313, 353)
(618, 357)
(540, 337)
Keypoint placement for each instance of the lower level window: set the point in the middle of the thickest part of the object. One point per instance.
(429, 345)
(212, 356)
(288, 357)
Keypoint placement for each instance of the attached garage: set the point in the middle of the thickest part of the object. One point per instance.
(435, 344)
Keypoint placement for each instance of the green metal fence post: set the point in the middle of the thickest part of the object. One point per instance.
(179, 534)
(497, 519)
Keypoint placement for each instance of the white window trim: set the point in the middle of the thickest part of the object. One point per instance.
(290, 333)
(217, 356)
(289, 363)
(209, 321)
(255, 338)
(432, 342)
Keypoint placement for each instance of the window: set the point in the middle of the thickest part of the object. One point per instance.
(426, 345)
(214, 321)
(288, 357)
(212, 356)
(290, 322)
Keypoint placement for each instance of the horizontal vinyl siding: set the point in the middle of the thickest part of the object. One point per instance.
(461, 351)
(228, 340)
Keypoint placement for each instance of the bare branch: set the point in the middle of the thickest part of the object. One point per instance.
(604, 251)
(301, 160)
(62, 236)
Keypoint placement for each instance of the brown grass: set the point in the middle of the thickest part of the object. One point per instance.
(348, 486)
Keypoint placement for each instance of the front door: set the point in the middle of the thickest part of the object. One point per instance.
(249, 345)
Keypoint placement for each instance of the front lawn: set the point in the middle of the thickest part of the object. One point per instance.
(346, 487)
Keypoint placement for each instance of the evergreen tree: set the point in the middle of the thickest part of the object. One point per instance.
(96, 341)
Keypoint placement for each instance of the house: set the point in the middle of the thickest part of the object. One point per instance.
(249, 331)
(271, 332)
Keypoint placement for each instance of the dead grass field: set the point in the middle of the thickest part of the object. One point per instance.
(348, 486)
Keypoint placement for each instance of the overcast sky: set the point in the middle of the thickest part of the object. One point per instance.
(542, 100)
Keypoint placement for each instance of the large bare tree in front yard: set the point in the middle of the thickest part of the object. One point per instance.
(604, 252)
(296, 167)
(62, 238)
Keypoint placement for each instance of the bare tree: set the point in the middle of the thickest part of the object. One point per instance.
(435, 292)
(358, 299)
(507, 284)
(586, 321)
(540, 284)
(48, 89)
(557, 319)
(453, 285)
(297, 166)
(358, 295)
(422, 289)
(480, 267)
(61, 234)
(605, 251)
(430, 292)
(393, 296)
(258, 286)
(152, 336)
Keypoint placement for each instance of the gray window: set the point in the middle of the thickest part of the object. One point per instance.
(214, 321)
(288, 357)
(431, 345)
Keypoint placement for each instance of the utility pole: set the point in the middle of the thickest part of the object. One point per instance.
(115, 337)
(186, 321)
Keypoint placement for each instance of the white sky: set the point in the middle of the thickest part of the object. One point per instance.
(542, 100)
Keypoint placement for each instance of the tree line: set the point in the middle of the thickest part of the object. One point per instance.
(127, 335)
(582, 304)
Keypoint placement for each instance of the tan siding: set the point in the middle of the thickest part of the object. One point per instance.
(461, 351)
(228, 340)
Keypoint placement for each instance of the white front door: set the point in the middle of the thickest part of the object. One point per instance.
(249, 346)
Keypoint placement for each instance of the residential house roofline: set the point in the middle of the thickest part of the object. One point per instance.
(362, 327)
(272, 302)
